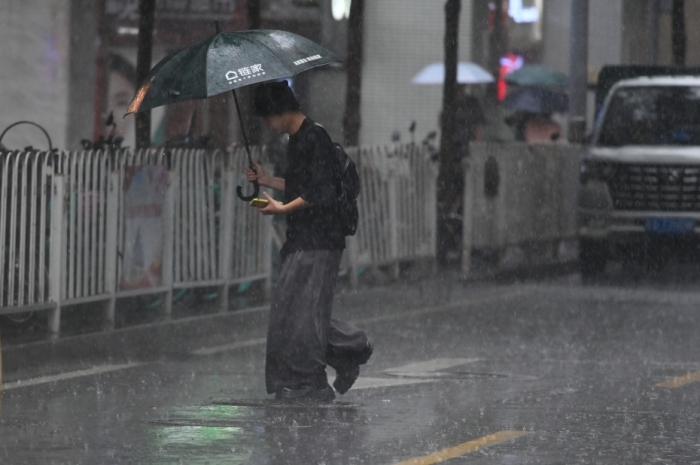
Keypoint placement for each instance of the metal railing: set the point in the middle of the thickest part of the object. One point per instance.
(62, 228)
(25, 203)
(397, 207)
(62, 224)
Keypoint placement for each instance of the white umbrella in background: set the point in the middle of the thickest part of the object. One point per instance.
(467, 73)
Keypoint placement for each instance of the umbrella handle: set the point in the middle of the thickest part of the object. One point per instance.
(251, 165)
(248, 198)
(256, 188)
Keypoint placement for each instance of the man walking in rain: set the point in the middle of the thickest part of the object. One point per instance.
(302, 338)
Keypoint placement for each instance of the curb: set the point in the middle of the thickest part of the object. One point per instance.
(541, 271)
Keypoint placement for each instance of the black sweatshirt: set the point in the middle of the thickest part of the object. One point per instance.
(311, 174)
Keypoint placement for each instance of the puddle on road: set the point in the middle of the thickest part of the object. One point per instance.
(253, 431)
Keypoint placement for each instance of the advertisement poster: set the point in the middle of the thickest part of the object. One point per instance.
(144, 202)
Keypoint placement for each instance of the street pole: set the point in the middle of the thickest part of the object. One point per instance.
(352, 119)
(254, 18)
(678, 35)
(450, 170)
(144, 57)
(654, 13)
(578, 70)
(497, 42)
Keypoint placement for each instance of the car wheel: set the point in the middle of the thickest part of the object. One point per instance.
(592, 258)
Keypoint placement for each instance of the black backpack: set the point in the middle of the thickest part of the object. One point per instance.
(348, 189)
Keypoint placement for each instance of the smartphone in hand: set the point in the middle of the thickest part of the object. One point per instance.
(259, 203)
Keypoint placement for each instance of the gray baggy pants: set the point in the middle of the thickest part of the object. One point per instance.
(302, 338)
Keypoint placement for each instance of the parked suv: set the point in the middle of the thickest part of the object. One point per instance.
(640, 179)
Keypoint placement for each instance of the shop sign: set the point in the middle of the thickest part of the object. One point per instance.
(195, 10)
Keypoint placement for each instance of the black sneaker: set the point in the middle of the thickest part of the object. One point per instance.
(345, 379)
(325, 394)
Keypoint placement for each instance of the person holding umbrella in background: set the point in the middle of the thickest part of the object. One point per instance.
(532, 119)
(302, 338)
(535, 93)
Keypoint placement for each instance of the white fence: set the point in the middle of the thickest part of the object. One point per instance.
(518, 195)
(397, 207)
(25, 202)
(62, 228)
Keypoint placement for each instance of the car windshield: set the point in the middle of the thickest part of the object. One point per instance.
(651, 115)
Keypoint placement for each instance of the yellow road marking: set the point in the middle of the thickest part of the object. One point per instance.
(680, 381)
(466, 448)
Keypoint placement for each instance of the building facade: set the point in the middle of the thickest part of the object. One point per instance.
(66, 64)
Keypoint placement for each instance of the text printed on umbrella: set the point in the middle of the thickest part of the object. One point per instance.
(246, 72)
(307, 59)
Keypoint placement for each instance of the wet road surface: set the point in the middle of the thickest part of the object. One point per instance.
(509, 373)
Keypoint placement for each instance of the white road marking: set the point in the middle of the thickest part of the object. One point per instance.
(429, 367)
(427, 371)
(68, 375)
(371, 383)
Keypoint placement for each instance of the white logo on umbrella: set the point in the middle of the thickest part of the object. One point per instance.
(247, 72)
(307, 59)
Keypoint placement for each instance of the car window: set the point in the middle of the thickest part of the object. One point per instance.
(652, 115)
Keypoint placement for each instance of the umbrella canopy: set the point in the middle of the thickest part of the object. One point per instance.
(538, 76)
(536, 100)
(467, 73)
(225, 62)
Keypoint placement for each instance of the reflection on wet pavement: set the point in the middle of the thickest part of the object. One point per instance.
(258, 432)
(554, 373)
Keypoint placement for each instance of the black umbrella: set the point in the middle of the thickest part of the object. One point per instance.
(227, 61)
(537, 76)
(536, 100)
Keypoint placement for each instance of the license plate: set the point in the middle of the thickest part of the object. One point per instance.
(669, 225)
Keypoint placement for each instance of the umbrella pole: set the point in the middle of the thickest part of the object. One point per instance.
(251, 165)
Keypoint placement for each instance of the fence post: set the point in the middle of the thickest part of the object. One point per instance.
(393, 223)
(111, 248)
(168, 244)
(226, 237)
(430, 206)
(58, 247)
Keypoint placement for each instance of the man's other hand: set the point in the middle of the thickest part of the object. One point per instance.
(274, 207)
